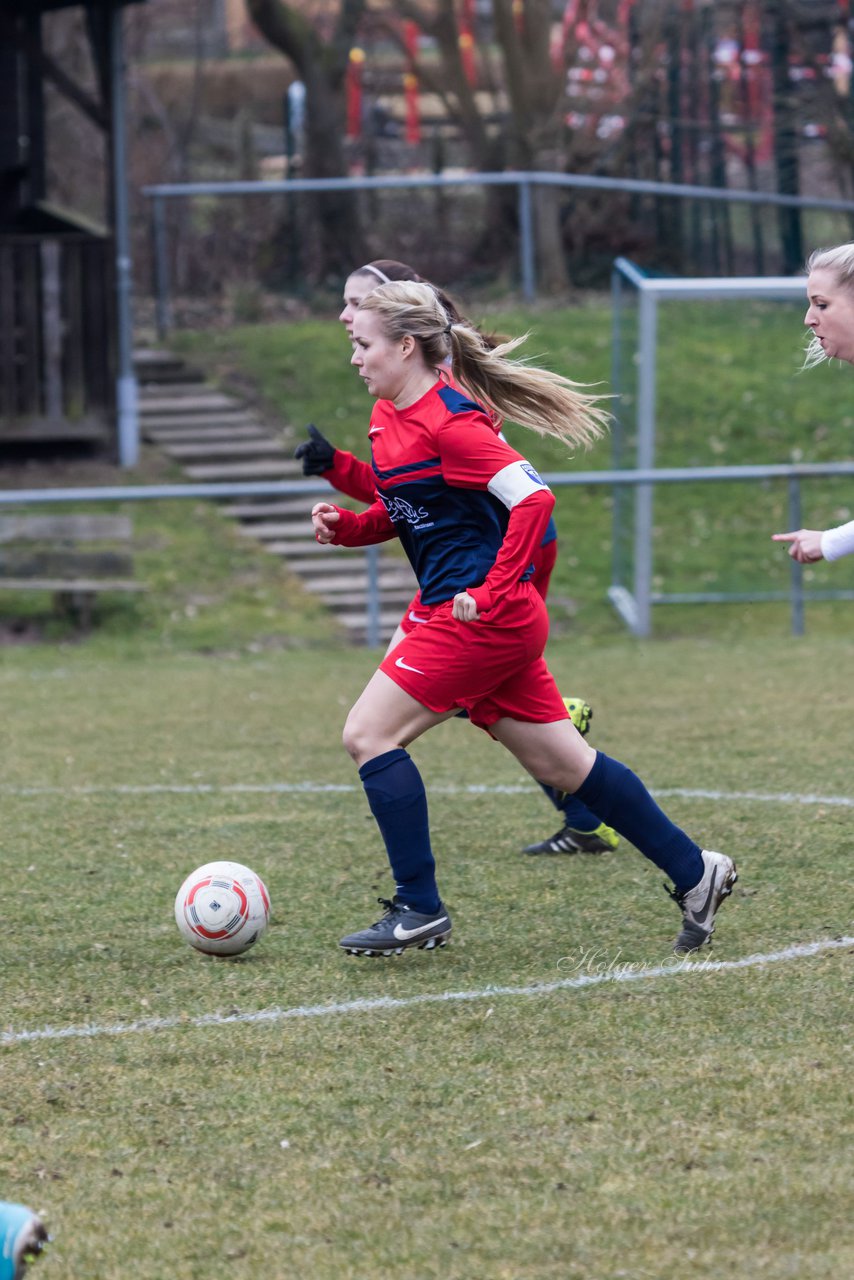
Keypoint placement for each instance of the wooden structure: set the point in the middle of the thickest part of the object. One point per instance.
(75, 558)
(58, 305)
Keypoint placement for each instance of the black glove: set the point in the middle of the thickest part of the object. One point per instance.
(316, 454)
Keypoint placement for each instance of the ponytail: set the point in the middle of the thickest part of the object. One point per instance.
(539, 399)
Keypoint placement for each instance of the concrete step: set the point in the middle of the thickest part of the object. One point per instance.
(198, 434)
(390, 580)
(310, 559)
(270, 532)
(358, 621)
(212, 402)
(309, 550)
(156, 365)
(201, 450)
(164, 376)
(358, 600)
(202, 425)
(188, 390)
(284, 470)
(249, 512)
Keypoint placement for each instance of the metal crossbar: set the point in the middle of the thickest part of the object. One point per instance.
(630, 608)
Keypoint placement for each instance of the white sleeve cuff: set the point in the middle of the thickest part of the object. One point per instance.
(838, 542)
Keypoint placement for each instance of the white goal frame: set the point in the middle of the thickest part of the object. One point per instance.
(632, 593)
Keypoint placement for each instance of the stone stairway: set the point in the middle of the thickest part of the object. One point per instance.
(214, 437)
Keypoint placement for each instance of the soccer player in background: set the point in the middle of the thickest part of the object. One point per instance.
(830, 315)
(22, 1238)
(469, 511)
(581, 831)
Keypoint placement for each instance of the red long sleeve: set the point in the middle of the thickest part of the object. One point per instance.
(363, 528)
(525, 529)
(349, 474)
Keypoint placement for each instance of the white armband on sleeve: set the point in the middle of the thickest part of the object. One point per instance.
(513, 483)
(838, 542)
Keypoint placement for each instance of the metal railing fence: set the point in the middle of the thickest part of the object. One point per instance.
(792, 473)
(525, 182)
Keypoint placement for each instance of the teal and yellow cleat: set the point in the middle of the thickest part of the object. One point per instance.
(22, 1238)
(580, 713)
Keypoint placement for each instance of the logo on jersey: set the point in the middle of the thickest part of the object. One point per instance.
(531, 471)
(399, 510)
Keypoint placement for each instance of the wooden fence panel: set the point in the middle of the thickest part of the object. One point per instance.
(57, 338)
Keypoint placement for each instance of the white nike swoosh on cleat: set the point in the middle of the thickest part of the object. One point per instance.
(400, 663)
(403, 935)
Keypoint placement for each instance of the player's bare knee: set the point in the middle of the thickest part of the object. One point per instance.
(359, 740)
(568, 773)
(352, 738)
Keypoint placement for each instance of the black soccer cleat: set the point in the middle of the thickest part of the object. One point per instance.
(568, 840)
(399, 928)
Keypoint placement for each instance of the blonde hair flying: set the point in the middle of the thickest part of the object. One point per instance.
(546, 402)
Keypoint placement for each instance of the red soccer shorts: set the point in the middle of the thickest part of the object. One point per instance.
(491, 668)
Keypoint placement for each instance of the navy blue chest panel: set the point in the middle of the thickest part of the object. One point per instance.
(454, 400)
(451, 536)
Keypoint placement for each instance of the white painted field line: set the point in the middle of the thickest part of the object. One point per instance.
(472, 789)
(607, 973)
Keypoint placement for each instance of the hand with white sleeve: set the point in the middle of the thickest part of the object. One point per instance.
(809, 545)
(804, 545)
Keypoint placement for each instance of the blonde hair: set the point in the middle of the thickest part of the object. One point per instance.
(546, 402)
(839, 260)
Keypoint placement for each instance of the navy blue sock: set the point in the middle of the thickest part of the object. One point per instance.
(575, 814)
(623, 802)
(398, 801)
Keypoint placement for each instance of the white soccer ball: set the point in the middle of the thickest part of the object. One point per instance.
(222, 908)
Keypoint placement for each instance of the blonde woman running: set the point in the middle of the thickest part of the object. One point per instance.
(580, 830)
(469, 511)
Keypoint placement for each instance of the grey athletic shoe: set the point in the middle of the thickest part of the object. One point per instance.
(699, 905)
(568, 840)
(400, 927)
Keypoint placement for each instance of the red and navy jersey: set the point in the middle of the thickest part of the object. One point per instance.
(348, 474)
(465, 505)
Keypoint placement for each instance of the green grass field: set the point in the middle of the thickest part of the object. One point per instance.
(368, 1120)
(551, 1096)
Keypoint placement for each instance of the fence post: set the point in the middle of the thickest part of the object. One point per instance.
(126, 385)
(797, 570)
(617, 492)
(161, 267)
(526, 242)
(645, 461)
